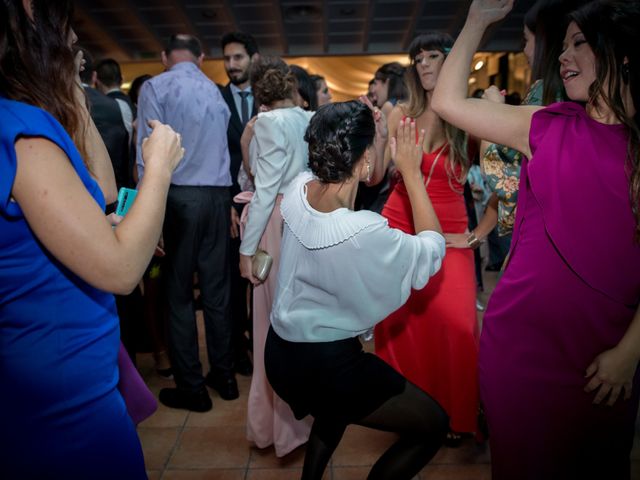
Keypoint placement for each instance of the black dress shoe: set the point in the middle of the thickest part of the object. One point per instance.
(243, 366)
(176, 398)
(225, 385)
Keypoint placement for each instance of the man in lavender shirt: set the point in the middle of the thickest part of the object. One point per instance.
(197, 221)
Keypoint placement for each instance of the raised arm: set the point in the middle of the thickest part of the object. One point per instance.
(71, 225)
(503, 124)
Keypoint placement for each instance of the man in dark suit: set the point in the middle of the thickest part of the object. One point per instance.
(239, 51)
(105, 113)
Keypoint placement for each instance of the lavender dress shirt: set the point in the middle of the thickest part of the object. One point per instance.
(187, 100)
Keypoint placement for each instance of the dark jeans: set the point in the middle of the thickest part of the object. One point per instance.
(196, 238)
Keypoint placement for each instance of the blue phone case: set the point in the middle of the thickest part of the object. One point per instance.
(126, 196)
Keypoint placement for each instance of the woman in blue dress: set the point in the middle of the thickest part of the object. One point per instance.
(60, 259)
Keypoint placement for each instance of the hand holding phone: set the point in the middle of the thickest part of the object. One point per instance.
(126, 196)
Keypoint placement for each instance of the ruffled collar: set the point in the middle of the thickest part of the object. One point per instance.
(316, 230)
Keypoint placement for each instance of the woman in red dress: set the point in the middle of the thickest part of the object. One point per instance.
(432, 339)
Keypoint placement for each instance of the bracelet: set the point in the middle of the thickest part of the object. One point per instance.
(473, 241)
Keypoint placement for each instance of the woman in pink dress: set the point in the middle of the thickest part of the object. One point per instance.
(561, 338)
(279, 154)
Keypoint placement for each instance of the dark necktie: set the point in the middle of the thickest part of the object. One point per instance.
(244, 107)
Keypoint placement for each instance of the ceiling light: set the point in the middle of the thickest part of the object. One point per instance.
(478, 65)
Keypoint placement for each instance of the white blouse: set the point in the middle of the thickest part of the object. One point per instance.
(344, 271)
(280, 155)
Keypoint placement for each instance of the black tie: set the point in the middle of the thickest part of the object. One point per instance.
(244, 107)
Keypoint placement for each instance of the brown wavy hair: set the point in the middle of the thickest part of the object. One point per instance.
(271, 80)
(37, 61)
(611, 30)
(417, 102)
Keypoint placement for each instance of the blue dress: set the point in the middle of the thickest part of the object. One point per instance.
(61, 415)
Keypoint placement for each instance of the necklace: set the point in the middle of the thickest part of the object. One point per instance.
(433, 166)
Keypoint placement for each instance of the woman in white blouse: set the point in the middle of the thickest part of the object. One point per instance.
(279, 155)
(341, 272)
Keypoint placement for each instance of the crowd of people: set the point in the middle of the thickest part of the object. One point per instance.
(364, 212)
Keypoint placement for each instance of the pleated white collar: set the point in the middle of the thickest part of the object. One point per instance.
(315, 229)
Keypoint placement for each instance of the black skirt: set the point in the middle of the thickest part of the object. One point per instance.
(334, 380)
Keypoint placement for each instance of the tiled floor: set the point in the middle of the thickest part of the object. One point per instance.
(181, 445)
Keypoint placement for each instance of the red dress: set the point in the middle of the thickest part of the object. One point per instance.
(433, 339)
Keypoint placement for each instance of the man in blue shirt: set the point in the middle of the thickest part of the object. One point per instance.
(197, 221)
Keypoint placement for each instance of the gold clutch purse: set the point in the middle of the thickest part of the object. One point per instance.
(261, 265)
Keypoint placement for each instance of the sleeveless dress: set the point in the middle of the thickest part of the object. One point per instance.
(569, 293)
(61, 413)
(432, 339)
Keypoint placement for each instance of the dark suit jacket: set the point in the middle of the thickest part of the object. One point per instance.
(234, 132)
(105, 113)
(123, 96)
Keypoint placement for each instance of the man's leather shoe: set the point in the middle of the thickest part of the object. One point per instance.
(243, 365)
(176, 398)
(225, 385)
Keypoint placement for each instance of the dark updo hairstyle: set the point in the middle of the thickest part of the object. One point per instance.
(548, 21)
(37, 62)
(394, 73)
(136, 85)
(271, 80)
(611, 29)
(306, 87)
(338, 135)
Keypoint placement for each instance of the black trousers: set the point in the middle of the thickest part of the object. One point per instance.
(196, 237)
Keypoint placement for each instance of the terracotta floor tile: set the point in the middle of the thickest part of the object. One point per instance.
(166, 417)
(266, 458)
(157, 445)
(280, 474)
(223, 413)
(467, 453)
(206, 474)
(456, 472)
(352, 473)
(154, 474)
(211, 447)
(361, 446)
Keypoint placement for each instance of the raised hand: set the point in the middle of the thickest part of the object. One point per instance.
(486, 12)
(382, 132)
(406, 153)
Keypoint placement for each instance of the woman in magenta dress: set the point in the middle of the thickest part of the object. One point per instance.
(561, 338)
(432, 338)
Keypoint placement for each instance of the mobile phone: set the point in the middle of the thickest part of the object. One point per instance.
(126, 196)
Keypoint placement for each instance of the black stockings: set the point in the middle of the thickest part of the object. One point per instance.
(421, 423)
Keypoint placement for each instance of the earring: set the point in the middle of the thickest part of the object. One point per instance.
(625, 73)
(368, 172)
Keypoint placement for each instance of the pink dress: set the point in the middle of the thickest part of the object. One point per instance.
(279, 154)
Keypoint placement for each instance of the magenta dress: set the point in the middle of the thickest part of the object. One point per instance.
(569, 293)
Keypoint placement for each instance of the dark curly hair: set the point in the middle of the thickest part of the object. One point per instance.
(271, 80)
(338, 135)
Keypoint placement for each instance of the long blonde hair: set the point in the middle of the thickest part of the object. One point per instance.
(417, 102)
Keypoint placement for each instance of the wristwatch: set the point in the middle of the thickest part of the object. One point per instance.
(473, 241)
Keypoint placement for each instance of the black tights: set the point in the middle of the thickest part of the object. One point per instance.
(421, 423)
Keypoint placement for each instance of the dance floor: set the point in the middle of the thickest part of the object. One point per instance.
(181, 445)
